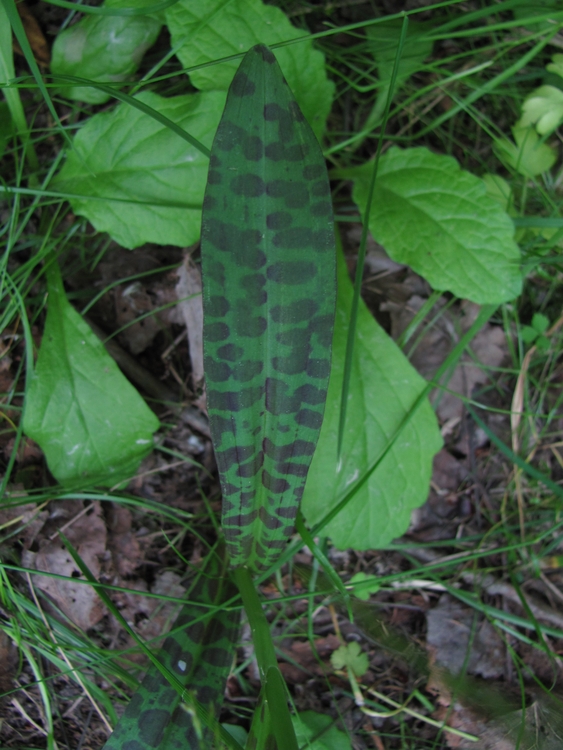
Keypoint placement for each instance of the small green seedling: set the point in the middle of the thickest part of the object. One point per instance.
(535, 334)
(351, 657)
(364, 585)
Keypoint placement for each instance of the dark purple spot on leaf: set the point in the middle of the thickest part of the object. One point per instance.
(242, 85)
(295, 312)
(318, 368)
(309, 418)
(279, 220)
(287, 468)
(214, 177)
(217, 306)
(272, 112)
(217, 273)
(228, 136)
(295, 194)
(250, 328)
(275, 151)
(310, 394)
(269, 520)
(209, 203)
(276, 397)
(253, 148)
(296, 153)
(265, 54)
(216, 331)
(273, 484)
(235, 400)
(214, 161)
(322, 326)
(217, 372)
(251, 468)
(286, 512)
(293, 364)
(321, 188)
(245, 371)
(151, 725)
(231, 457)
(216, 657)
(243, 519)
(246, 499)
(314, 171)
(291, 272)
(296, 238)
(131, 745)
(248, 185)
(322, 208)
(230, 352)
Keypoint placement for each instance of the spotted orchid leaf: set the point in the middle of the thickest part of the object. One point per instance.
(268, 259)
(198, 653)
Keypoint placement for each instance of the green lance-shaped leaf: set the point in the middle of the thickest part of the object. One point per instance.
(268, 258)
(199, 655)
(90, 422)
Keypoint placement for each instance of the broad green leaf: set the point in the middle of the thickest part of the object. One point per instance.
(527, 156)
(544, 109)
(140, 181)
(383, 40)
(369, 585)
(102, 48)
(199, 654)
(383, 387)
(350, 655)
(87, 418)
(540, 322)
(556, 65)
(205, 32)
(314, 731)
(499, 190)
(439, 220)
(268, 293)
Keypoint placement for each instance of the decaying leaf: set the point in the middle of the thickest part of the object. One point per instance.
(190, 304)
(77, 600)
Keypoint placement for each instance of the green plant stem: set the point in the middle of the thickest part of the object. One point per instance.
(12, 95)
(270, 675)
(363, 244)
(259, 626)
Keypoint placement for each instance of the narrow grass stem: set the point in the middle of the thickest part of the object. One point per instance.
(363, 243)
(270, 675)
(259, 626)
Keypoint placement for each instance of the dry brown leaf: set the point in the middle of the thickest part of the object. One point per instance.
(26, 520)
(302, 653)
(34, 35)
(8, 663)
(188, 290)
(488, 346)
(148, 616)
(78, 601)
(122, 542)
(449, 636)
(132, 301)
